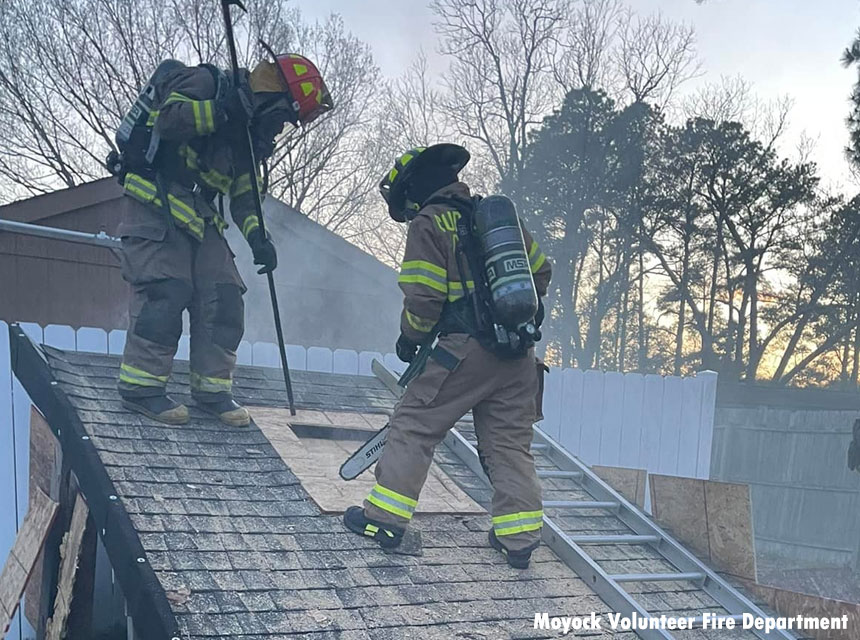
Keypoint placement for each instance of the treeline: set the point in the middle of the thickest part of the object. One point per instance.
(682, 238)
(688, 247)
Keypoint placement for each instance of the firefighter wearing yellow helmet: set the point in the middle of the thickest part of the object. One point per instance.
(484, 358)
(179, 151)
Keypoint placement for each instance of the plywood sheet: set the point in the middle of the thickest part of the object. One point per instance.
(22, 557)
(714, 519)
(730, 528)
(679, 504)
(630, 483)
(316, 462)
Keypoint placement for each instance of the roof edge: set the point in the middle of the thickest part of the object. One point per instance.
(146, 599)
(55, 203)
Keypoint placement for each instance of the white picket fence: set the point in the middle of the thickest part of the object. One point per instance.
(662, 424)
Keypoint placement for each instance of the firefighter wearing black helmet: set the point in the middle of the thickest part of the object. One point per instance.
(182, 146)
(464, 371)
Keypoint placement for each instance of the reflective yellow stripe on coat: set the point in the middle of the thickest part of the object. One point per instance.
(146, 192)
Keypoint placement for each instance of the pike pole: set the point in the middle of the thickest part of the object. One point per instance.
(252, 163)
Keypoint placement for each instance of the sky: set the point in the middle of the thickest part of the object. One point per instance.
(783, 47)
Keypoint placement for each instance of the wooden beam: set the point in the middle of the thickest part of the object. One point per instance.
(22, 557)
(71, 549)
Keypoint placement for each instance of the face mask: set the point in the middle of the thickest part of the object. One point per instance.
(270, 124)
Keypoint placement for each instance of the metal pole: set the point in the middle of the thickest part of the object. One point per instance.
(255, 188)
(100, 239)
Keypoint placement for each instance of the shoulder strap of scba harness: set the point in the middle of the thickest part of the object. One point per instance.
(481, 322)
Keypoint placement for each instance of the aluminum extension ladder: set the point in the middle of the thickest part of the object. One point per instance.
(571, 548)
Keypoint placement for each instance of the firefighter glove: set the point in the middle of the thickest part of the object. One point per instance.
(263, 250)
(237, 102)
(539, 314)
(406, 348)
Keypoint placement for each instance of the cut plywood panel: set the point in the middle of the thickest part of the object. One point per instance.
(315, 456)
(22, 557)
(679, 504)
(730, 528)
(630, 483)
(791, 603)
(69, 553)
(714, 519)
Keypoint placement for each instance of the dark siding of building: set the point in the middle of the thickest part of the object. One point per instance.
(53, 282)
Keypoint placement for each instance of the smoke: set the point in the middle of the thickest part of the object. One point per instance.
(330, 293)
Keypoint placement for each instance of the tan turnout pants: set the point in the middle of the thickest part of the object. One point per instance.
(501, 395)
(169, 271)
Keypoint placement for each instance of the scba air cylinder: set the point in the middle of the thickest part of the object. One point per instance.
(506, 261)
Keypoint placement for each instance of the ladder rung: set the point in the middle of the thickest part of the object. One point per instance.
(579, 504)
(572, 475)
(539, 446)
(658, 577)
(619, 539)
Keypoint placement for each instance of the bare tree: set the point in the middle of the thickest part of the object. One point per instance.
(655, 57)
(69, 69)
(585, 46)
(500, 79)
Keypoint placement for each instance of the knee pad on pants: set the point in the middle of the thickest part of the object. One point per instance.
(160, 318)
(228, 323)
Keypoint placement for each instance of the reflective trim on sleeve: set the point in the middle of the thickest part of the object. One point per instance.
(393, 502)
(213, 178)
(423, 272)
(519, 522)
(418, 323)
(536, 257)
(242, 185)
(251, 223)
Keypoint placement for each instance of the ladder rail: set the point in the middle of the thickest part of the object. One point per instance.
(713, 584)
(565, 548)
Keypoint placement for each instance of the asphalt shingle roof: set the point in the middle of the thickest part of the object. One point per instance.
(242, 552)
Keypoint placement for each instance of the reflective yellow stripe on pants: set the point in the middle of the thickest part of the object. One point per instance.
(519, 522)
(208, 384)
(393, 502)
(139, 377)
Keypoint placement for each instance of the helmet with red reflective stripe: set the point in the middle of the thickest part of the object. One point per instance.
(297, 77)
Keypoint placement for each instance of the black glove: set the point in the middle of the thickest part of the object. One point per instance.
(539, 314)
(236, 104)
(264, 251)
(406, 348)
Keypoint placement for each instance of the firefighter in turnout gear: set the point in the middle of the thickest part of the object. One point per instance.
(466, 371)
(182, 152)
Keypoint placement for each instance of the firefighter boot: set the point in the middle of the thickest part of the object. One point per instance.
(517, 559)
(386, 535)
(229, 411)
(160, 407)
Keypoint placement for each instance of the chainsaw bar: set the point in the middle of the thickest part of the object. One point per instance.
(365, 456)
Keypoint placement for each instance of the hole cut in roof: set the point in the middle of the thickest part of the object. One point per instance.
(314, 444)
